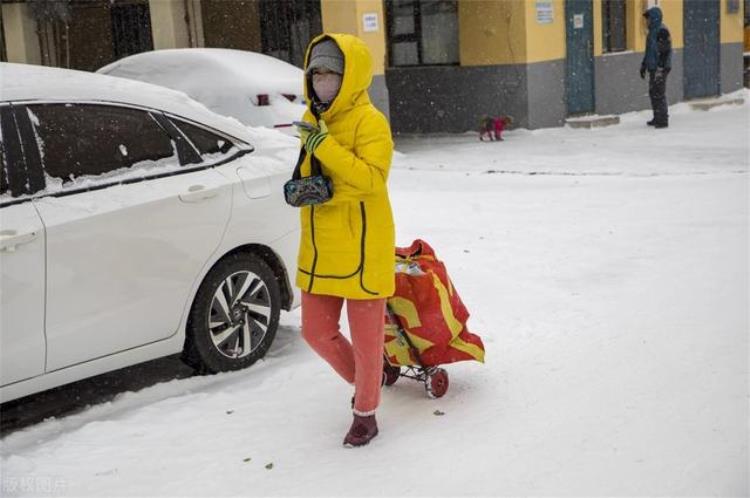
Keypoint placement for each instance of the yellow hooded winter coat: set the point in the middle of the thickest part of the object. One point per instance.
(347, 244)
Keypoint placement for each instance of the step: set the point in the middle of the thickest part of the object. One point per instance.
(704, 105)
(592, 121)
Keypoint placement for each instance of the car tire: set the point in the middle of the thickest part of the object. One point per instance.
(233, 321)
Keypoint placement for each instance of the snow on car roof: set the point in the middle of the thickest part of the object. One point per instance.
(26, 82)
(251, 72)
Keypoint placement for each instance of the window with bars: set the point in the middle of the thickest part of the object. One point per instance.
(614, 25)
(131, 28)
(422, 32)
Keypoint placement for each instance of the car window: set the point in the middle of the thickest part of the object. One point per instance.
(79, 140)
(3, 166)
(3, 170)
(205, 142)
(9, 187)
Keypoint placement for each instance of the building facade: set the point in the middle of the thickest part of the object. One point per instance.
(439, 64)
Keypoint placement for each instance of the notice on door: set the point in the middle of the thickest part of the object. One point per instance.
(370, 22)
(545, 13)
(578, 21)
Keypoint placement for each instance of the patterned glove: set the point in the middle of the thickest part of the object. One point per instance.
(303, 133)
(313, 138)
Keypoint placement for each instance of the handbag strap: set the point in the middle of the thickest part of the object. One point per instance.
(314, 165)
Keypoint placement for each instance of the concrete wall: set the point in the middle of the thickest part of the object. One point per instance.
(379, 94)
(435, 99)
(546, 94)
(731, 64)
(619, 88)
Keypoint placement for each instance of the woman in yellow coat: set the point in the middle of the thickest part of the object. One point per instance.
(347, 244)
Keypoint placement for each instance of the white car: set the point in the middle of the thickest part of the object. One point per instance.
(254, 88)
(134, 224)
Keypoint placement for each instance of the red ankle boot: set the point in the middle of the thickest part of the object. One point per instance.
(363, 429)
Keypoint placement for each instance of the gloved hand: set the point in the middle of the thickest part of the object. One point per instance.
(312, 138)
(643, 72)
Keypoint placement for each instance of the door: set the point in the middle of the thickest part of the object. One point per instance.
(22, 344)
(128, 232)
(702, 47)
(579, 62)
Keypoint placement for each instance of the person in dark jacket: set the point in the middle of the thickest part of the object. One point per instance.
(658, 62)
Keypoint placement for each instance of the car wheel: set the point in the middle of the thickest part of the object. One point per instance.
(234, 317)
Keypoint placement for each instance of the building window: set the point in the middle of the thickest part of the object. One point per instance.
(131, 28)
(422, 32)
(615, 39)
(287, 26)
(3, 53)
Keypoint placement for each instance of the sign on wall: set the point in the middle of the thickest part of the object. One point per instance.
(578, 21)
(545, 13)
(370, 22)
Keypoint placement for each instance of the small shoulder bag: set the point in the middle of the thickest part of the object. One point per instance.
(304, 191)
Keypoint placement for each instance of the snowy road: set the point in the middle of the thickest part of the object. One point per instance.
(607, 272)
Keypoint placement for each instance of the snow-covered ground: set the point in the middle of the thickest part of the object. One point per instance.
(606, 270)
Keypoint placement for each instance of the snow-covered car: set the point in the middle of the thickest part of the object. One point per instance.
(134, 224)
(254, 88)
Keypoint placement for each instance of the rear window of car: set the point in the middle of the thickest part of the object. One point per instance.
(82, 140)
(208, 144)
(4, 187)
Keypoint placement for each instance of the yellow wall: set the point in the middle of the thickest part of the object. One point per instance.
(491, 32)
(598, 26)
(21, 40)
(731, 24)
(637, 27)
(634, 14)
(339, 16)
(168, 26)
(545, 42)
(374, 39)
(346, 16)
(673, 18)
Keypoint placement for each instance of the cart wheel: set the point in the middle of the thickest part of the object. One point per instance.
(391, 373)
(436, 383)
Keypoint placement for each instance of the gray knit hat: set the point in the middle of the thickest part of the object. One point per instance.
(326, 54)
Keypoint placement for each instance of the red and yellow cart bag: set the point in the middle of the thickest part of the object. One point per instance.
(429, 310)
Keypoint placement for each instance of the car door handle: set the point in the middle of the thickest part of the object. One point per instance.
(9, 239)
(198, 193)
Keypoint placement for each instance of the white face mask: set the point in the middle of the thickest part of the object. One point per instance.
(326, 85)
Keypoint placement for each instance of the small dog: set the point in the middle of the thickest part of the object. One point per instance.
(493, 127)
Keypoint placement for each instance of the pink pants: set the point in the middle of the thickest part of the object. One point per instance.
(359, 362)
